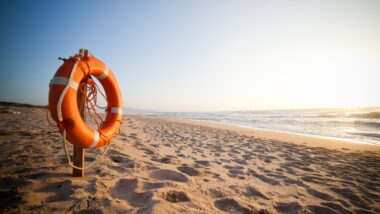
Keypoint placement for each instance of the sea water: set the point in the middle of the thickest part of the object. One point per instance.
(361, 125)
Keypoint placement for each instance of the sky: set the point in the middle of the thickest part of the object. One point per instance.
(200, 55)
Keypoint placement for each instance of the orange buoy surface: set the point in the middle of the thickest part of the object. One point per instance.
(63, 104)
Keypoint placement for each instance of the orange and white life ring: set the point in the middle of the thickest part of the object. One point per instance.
(63, 105)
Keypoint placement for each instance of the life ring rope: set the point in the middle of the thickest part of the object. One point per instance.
(69, 159)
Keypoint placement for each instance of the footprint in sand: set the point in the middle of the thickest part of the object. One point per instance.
(133, 136)
(189, 171)
(152, 185)
(175, 196)
(240, 161)
(92, 211)
(217, 193)
(10, 198)
(335, 206)
(166, 159)
(321, 209)
(117, 168)
(167, 174)
(230, 205)
(320, 195)
(251, 191)
(292, 207)
(181, 155)
(62, 190)
(203, 162)
(354, 198)
(125, 189)
(124, 161)
(264, 178)
(233, 173)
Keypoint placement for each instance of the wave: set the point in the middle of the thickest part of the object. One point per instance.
(373, 124)
(373, 135)
(329, 115)
(374, 115)
(370, 115)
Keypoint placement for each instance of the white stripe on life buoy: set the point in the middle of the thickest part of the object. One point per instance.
(96, 140)
(116, 110)
(64, 81)
(104, 74)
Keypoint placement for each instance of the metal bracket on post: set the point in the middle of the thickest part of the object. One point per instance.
(84, 53)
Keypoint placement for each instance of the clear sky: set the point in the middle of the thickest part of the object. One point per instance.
(200, 55)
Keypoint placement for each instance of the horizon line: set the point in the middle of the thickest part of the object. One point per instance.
(176, 111)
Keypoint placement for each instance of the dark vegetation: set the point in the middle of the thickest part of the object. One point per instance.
(2, 103)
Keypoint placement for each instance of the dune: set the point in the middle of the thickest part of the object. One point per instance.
(161, 165)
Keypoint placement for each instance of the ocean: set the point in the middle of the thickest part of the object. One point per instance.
(360, 125)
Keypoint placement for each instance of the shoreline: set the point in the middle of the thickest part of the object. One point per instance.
(296, 138)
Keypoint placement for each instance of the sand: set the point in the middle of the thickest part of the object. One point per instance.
(161, 165)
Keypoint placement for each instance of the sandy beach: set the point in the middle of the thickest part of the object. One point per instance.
(161, 165)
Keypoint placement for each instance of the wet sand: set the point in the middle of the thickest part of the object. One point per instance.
(161, 165)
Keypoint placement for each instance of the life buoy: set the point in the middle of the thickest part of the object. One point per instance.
(63, 105)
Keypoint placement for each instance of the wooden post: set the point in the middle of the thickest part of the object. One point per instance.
(78, 158)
